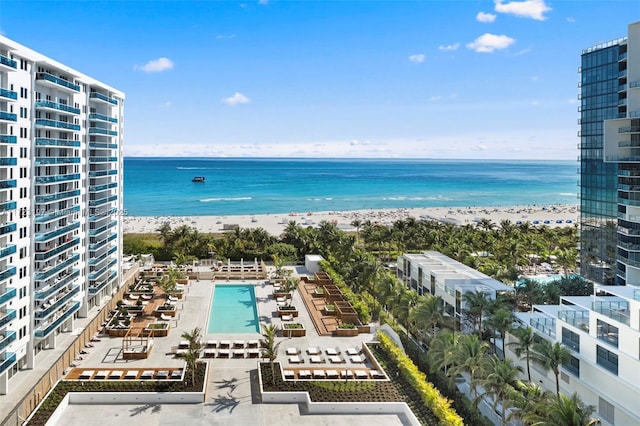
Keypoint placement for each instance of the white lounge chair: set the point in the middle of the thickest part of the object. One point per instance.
(164, 317)
(295, 359)
(287, 318)
(313, 351)
(292, 351)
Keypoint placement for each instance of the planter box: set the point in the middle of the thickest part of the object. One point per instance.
(183, 281)
(364, 328)
(169, 312)
(319, 292)
(277, 294)
(293, 332)
(283, 311)
(158, 332)
(346, 332)
(118, 332)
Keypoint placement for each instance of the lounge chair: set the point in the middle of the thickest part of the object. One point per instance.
(304, 374)
(361, 374)
(238, 344)
(332, 374)
(316, 359)
(131, 375)
(319, 374)
(162, 374)
(313, 351)
(176, 375)
(287, 318)
(87, 374)
(164, 317)
(147, 374)
(146, 296)
(134, 297)
(209, 353)
(292, 351)
(336, 359)
(288, 374)
(115, 374)
(183, 344)
(357, 359)
(223, 353)
(296, 359)
(212, 343)
(332, 351)
(346, 374)
(352, 351)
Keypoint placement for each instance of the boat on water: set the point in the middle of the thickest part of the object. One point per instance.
(198, 179)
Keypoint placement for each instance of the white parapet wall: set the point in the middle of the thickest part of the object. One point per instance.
(105, 398)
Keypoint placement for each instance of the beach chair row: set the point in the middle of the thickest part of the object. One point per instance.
(232, 353)
(176, 374)
(228, 344)
(333, 374)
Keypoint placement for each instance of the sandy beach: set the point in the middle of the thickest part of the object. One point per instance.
(551, 215)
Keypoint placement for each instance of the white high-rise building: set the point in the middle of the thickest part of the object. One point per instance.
(61, 136)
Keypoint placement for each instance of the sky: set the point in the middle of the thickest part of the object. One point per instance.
(364, 79)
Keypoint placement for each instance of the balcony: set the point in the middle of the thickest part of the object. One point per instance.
(103, 159)
(629, 246)
(8, 139)
(48, 308)
(5, 184)
(43, 122)
(94, 232)
(96, 260)
(7, 251)
(53, 81)
(60, 249)
(101, 173)
(43, 161)
(8, 63)
(622, 74)
(7, 273)
(96, 288)
(56, 197)
(6, 316)
(102, 117)
(616, 310)
(8, 161)
(9, 359)
(95, 275)
(546, 326)
(629, 231)
(101, 131)
(8, 94)
(8, 295)
(48, 273)
(41, 237)
(104, 98)
(49, 290)
(103, 187)
(7, 116)
(99, 202)
(57, 142)
(9, 227)
(629, 129)
(57, 178)
(49, 105)
(41, 332)
(43, 217)
(4, 207)
(97, 245)
(102, 145)
(6, 338)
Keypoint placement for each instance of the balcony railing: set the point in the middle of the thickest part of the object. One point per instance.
(629, 246)
(11, 205)
(48, 328)
(101, 173)
(103, 187)
(57, 178)
(102, 159)
(8, 295)
(94, 289)
(94, 275)
(7, 316)
(95, 203)
(7, 338)
(9, 227)
(9, 94)
(94, 232)
(544, 325)
(8, 62)
(43, 122)
(57, 106)
(102, 117)
(56, 304)
(46, 216)
(9, 250)
(46, 236)
(96, 260)
(53, 252)
(96, 95)
(7, 273)
(8, 139)
(7, 116)
(616, 310)
(43, 276)
(57, 142)
(4, 184)
(47, 291)
(55, 197)
(57, 80)
(8, 161)
(629, 129)
(102, 145)
(9, 360)
(101, 131)
(101, 243)
(42, 161)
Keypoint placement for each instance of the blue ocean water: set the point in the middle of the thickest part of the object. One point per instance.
(163, 187)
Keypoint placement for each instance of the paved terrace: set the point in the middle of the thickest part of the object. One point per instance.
(232, 395)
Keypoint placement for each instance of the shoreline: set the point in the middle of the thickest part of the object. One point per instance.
(275, 223)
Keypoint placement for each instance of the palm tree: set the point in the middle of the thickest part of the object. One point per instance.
(500, 382)
(428, 313)
(524, 345)
(478, 304)
(529, 292)
(550, 357)
(442, 350)
(502, 321)
(470, 357)
(193, 351)
(357, 223)
(290, 286)
(566, 411)
(269, 333)
(526, 401)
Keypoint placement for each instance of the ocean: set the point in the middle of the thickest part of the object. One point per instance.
(163, 186)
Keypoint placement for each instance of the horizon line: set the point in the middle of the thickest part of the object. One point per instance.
(348, 158)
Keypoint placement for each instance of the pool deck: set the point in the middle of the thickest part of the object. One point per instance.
(232, 395)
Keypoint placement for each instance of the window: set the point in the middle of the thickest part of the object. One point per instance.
(608, 333)
(606, 410)
(607, 359)
(571, 339)
(572, 366)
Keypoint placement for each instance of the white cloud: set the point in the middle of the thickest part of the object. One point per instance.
(165, 105)
(485, 17)
(156, 65)
(487, 43)
(535, 78)
(356, 142)
(225, 36)
(237, 98)
(418, 58)
(448, 47)
(571, 19)
(534, 9)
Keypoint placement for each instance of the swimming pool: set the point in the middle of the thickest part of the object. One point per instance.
(233, 310)
(546, 279)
